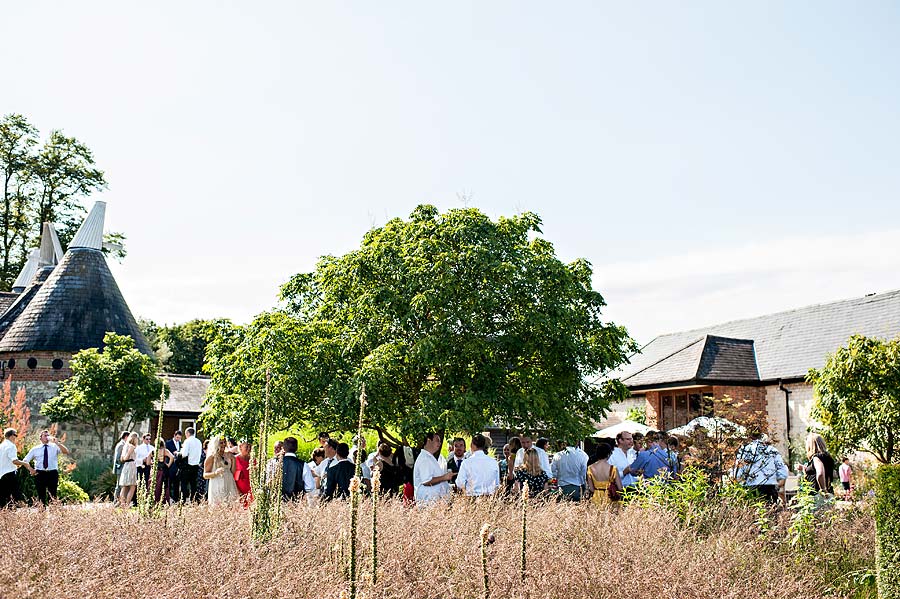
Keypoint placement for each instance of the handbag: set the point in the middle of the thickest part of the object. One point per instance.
(612, 491)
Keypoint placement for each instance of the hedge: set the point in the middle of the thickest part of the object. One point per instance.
(887, 530)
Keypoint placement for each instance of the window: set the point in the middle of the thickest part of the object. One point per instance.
(680, 408)
(184, 424)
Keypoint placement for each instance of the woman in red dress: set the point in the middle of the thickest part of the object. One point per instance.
(242, 473)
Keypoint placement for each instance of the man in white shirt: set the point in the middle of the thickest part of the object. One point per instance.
(570, 471)
(760, 467)
(545, 459)
(431, 482)
(46, 460)
(621, 457)
(9, 465)
(479, 474)
(330, 448)
(192, 450)
(143, 458)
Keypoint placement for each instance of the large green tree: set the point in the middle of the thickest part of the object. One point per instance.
(18, 140)
(452, 321)
(858, 397)
(181, 348)
(107, 387)
(42, 182)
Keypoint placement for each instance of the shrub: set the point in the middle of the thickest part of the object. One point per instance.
(887, 527)
(70, 492)
(89, 470)
(104, 485)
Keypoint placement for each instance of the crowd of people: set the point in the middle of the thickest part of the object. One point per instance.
(218, 470)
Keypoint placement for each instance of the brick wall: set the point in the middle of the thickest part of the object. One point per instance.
(750, 400)
(652, 407)
(43, 368)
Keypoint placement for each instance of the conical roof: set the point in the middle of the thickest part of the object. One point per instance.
(23, 299)
(48, 254)
(76, 306)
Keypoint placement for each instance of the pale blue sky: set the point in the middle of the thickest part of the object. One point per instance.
(712, 162)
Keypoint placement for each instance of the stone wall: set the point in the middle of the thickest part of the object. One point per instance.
(80, 439)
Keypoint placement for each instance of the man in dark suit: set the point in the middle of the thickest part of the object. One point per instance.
(459, 454)
(174, 446)
(296, 477)
(337, 482)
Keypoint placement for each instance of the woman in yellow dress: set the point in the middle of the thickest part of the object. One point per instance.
(600, 475)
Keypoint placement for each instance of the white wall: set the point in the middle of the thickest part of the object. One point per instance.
(800, 405)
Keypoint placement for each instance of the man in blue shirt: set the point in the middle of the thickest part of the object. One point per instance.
(569, 468)
(46, 464)
(656, 461)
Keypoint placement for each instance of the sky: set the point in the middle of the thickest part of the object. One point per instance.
(712, 160)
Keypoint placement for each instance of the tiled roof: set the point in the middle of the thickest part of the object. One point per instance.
(6, 300)
(787, 344)
(188, 392)
(12, 312)
(76, 306)
(709, 358)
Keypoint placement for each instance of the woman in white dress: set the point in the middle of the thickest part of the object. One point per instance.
(218, 469)
(128, 478)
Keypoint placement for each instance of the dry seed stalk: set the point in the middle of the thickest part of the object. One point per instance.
(485, 531)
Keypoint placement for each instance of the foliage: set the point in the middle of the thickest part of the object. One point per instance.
(104, 485)
(452, 321)
(14, 412)
(265, 511)
(714, 449)
(858, 398)
(887, 526)
(147, 505)
(637, 414)
(42, 183)
(187, 343)
(694, 499)
(70, 492)
(181, 348)
(106, 387)
(802, 532)
(89, 471)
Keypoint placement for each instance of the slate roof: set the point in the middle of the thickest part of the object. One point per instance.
(706, 359)
(786, 344)
(6, 300)
(79, 302)
(23, 299)
(187, 393)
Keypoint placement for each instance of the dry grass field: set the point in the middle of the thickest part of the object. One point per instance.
(573, 551)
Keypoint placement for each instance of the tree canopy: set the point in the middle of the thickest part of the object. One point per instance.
(42, 182)
(452, 321)
(107, 387)
(858, 397)
(181, 348)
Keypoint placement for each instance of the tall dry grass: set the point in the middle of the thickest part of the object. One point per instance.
(573, 551)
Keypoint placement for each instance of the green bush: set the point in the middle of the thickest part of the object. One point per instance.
(887, 530)
(104, 485)
(95, 476)
(70, 492)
